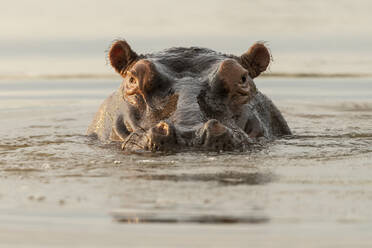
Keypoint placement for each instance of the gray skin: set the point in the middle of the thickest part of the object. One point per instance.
(188, 98)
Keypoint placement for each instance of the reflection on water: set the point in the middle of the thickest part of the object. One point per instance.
(321, 173)
(226, 178)
(208, 217)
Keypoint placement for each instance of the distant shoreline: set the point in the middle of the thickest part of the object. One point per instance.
(113, 76)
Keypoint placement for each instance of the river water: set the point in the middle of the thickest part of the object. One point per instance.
(59, 188)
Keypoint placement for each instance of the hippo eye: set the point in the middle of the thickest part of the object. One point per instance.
(132, 80)
(244, 79)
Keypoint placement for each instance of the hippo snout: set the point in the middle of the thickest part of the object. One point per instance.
(164, 136)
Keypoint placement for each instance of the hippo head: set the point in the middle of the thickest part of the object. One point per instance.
(186, 97)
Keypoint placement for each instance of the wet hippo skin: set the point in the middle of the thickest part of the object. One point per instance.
(187, 98)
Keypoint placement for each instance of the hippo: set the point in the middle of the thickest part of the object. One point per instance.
(188, 98)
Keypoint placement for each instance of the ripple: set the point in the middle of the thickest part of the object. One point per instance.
(20, 169)
(40, 126)
(78, 175)
(13, 147)
(335, 136)
(314, 116)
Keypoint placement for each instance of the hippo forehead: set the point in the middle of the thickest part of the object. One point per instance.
(188, 61)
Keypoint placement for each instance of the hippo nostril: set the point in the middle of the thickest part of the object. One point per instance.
(163, 136)
(155, 147)
(217, 128)
(163, 128)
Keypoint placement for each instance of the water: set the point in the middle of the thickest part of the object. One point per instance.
(60, 188)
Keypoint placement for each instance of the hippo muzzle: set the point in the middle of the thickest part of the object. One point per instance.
(212, 136)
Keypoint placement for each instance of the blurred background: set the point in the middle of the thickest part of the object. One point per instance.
(70, 37)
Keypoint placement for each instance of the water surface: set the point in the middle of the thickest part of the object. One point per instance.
(58, 187)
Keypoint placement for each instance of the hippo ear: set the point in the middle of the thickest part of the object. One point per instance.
(121, 55)
(256, 59)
